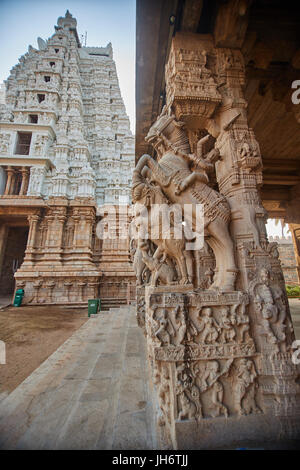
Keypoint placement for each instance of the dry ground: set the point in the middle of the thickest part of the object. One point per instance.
(31, 334)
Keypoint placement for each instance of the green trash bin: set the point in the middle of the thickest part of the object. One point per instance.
(18, 297)
(20, 292)
(93, 306)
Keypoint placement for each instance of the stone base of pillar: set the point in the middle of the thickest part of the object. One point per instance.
(213, 387)
(250, 432)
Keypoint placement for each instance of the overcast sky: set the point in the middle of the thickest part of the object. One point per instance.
(22, 21)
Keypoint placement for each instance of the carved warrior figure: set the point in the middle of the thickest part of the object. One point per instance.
(209, 328)
(189, 405)
(174, 179)
(244, 387)
(165, 329)
(241, 320)
(227, 333)
(171, 326)
(209, 380)
(273, 310)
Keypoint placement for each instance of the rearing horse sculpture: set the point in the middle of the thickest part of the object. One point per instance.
(180, 185)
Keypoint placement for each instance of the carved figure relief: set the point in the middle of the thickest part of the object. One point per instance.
(188, 396)
(209, 329)
(161, 271)
(227, 330)
(245, 386)
(169, 325)
(208, 380)
(171, 174)
(271, 305)
(4, 143)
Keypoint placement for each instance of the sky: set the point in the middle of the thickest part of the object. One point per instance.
(23, 21)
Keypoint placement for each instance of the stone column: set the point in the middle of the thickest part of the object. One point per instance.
(30, 248)
(9, 182)
(25, 181)
(55, 220)
(84, 218)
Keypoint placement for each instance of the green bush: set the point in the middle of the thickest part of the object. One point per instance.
(293, 291)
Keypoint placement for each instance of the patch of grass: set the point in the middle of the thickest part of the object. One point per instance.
(293, 291)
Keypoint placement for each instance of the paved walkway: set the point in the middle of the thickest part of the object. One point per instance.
(92, 393)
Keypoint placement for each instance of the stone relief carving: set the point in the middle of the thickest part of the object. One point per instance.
(209, 380)
(160, 271)
(4, 143)
(245, 386)
(270, 303)
(188, 396)
(175, 182)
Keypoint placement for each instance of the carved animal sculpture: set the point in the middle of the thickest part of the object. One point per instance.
(159, 271)
(172, 247)
(188, 409)
(171, 172)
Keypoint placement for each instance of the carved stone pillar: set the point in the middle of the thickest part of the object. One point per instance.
(221, 355)
(84, 218)
(25, 181)
(9, 182)
(55, 220)
(31, 241)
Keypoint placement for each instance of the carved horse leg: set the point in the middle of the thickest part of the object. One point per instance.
(222, 246)
(182, 268)
(217, 281)
(189, 265)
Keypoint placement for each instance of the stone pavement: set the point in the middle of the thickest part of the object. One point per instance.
(295, 312)
(92, 393)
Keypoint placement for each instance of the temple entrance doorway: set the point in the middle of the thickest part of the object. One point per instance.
(13, 241)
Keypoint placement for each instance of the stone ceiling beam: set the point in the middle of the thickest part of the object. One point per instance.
(281, 180)
(231, 23)
(191, 15)
(154, 32)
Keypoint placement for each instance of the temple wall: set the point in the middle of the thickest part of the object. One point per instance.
(287, 258)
